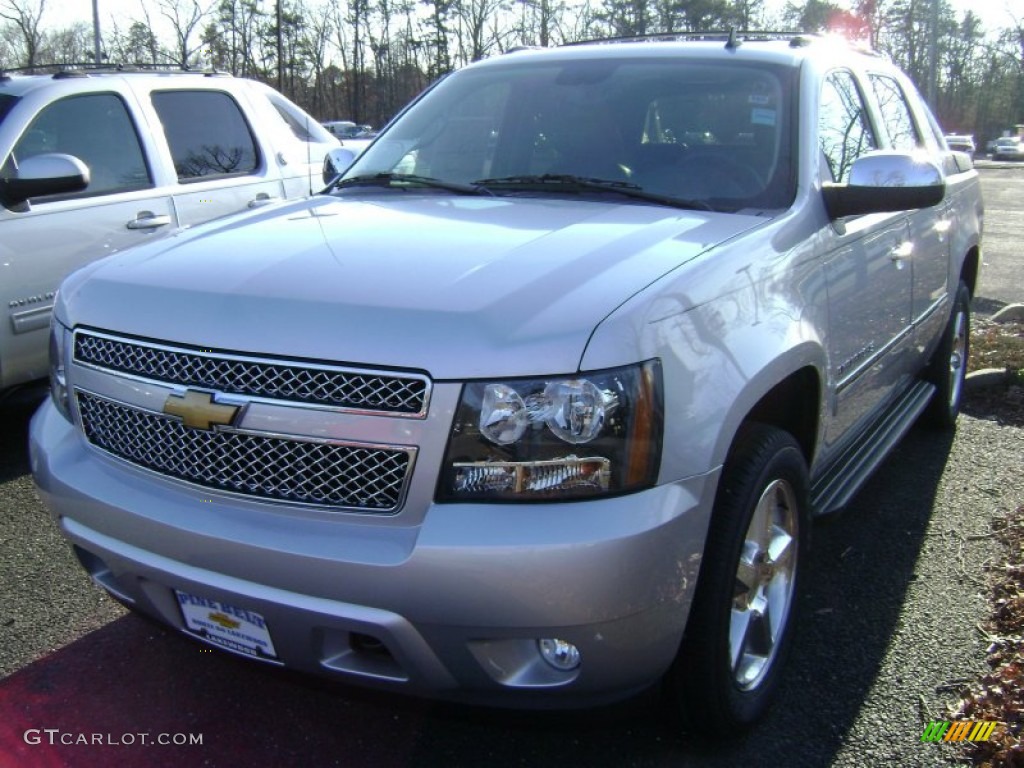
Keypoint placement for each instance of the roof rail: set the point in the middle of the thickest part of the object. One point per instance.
(734, 35)
(732, 38)
(86, 68)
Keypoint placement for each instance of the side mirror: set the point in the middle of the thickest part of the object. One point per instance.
(336, 162)
(884, 181)
(47, 174)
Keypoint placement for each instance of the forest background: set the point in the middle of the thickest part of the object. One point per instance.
(363, 60)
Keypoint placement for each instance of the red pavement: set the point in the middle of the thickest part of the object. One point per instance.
(107, 699)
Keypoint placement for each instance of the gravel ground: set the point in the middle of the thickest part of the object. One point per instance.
(43, 605)
(937, 599)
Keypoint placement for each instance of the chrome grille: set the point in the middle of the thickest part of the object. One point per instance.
(273, 379)
(268, 467)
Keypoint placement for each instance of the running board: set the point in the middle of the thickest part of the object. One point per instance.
(843, 478)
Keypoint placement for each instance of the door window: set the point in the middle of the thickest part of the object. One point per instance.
(844, 130)
(899, 124)
(207, 134)
(97, 129)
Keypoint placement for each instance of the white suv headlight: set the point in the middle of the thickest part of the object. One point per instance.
(556, 438)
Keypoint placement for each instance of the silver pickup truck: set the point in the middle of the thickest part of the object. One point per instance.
(93, 161)
(536, 406)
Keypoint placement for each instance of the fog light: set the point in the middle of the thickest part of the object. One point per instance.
(559, 654)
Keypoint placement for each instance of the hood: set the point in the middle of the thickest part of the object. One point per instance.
(458, 287)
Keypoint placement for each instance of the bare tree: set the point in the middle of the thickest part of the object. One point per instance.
(186, 18)
(438, 28)
(25, 16)
(139, 45)
(476, 36)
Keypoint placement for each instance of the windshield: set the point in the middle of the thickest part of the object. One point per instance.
(716, 134)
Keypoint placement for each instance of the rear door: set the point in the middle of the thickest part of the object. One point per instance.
(219, 165)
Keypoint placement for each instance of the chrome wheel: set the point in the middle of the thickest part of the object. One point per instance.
(765, 577)
(957, 357)
(740, 626)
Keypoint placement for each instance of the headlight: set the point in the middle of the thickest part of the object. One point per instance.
(556, 438)
(58, 381)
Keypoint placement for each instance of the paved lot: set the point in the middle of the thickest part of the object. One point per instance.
(1003, 275)
(888, 637)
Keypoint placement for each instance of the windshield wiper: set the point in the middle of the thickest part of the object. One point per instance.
(405, 180)
(565, 181)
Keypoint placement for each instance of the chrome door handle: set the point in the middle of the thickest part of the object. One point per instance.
(263, 199)
(901, 252)
(148, 220)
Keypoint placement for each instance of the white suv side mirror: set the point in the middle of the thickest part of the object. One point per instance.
(47, 174)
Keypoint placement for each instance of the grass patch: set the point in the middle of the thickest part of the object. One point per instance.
(997, 345)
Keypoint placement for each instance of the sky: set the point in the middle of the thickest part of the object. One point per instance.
(994, 13)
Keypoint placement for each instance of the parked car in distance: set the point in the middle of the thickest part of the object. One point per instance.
(352, 136)
(346, 129)
(536, 405)
(94, 161)
(1008, 148)
(961, 143)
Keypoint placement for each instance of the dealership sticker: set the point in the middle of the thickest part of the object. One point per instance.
(232, 628)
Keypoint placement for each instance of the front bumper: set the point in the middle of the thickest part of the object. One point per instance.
(450, 605)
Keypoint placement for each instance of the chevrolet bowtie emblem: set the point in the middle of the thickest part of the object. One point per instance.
(197, 410)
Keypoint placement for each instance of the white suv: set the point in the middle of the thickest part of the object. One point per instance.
(93, 162)
(537, 405)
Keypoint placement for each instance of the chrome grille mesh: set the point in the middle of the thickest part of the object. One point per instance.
(270, 467)
(341, 388)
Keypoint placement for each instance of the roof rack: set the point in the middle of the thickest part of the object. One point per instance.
(86, 68)
(732, 38)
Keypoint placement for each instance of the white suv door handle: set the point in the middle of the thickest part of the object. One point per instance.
(148, 220)
(263, 199)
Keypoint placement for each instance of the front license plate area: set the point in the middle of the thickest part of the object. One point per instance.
(230, 627)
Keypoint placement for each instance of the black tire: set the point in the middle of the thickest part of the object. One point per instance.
(717, 690)
(948, 367)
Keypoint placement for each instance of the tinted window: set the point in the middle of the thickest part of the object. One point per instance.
(97, 129)
(207, 134)
(899, 124)
(844, 132)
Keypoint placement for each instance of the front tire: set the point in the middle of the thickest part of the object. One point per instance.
(740, 625)
(948, 368)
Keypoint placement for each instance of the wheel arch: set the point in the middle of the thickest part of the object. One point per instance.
(788, 395)
(971, 269)
(793, 405)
